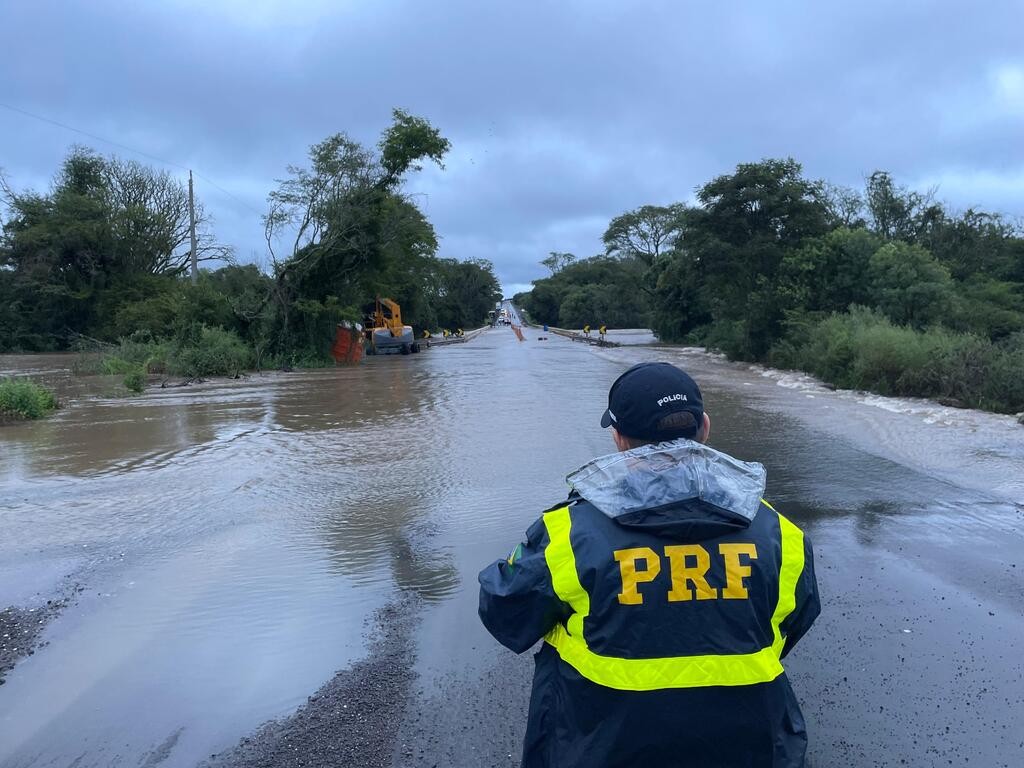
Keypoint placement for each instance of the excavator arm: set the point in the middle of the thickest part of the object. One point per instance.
(396, 312)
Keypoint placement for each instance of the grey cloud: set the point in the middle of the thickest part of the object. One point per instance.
(561, 114)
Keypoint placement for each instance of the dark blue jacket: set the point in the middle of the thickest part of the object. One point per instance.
(667, 592)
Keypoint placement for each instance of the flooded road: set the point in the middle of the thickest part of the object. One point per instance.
(231, 539)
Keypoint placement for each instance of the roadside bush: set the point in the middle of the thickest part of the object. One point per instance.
(155, 364)
(728, 337)
(24, 399)
(141, 349)
(212, 352)
(135, 380)
(200, 351)
(116, 366)
(137, 352)
(892, 360)
(1004, 384)
(863, 349)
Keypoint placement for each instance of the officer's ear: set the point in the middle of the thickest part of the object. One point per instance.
(705, 430)
(621, 443)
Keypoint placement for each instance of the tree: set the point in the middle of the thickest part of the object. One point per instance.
(468, 290)
(339, 214)
(730, 249)
(680, 303)
(603, 289)
(58, 248)
(829, 273)
(78, 252)
(150, 221)
(845, 205)
(557, 261)
(897, 213)
(410, 273)
(974, 243)
(644, 233)
(910, 286)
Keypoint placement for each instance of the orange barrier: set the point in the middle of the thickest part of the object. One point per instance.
(518, 332)
(348, 346)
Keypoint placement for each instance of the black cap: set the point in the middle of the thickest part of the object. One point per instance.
(655, 401)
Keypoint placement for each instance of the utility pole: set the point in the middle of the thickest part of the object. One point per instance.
(192, 230)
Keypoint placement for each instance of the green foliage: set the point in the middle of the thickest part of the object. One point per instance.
(863, 349)
(730, 251)
(408, 142)
(196, 352)
(882, 290)
(557, 260)
(467, 290)
(601, 290)
(104, 254)
(910, 285)
(212, 352)
(829, 273)
(135, 380)
(116, 366)
(897, 213)
(136, 351)
(990, 308)
(603, 304)
(24, 399)
(105, 226)
(352, 233)
(645, 233)
(975, 244)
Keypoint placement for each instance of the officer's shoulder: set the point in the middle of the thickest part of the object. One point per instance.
(574, 502)
(536, 532)
(777, 519)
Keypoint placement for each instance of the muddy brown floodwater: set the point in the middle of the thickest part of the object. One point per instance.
(282, 548)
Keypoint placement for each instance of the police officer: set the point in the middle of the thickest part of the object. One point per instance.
(667, 592)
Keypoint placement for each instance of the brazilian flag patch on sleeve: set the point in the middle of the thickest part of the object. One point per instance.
(515, 554)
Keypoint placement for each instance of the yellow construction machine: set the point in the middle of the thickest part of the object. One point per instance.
(385, 331)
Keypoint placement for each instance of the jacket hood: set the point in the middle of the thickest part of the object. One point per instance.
(682, 488)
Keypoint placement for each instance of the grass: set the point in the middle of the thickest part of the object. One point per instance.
(135, 380)
(22, 399)
(203, 352)
(862, 349)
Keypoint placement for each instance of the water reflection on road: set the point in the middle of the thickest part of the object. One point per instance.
(233, 536)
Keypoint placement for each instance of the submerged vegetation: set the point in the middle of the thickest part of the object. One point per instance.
(24, 399)
(202, 352)
(882, 289)
(105, 256)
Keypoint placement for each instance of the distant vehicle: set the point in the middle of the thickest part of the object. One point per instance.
(385, 332)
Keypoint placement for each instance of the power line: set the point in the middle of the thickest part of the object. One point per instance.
(129, 149)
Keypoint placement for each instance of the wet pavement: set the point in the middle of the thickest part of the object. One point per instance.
(234, 538)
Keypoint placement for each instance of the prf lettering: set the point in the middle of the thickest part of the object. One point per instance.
(688, 566)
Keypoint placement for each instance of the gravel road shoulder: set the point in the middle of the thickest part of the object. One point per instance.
(353, 719)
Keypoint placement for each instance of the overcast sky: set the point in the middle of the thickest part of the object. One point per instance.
(561, 114)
